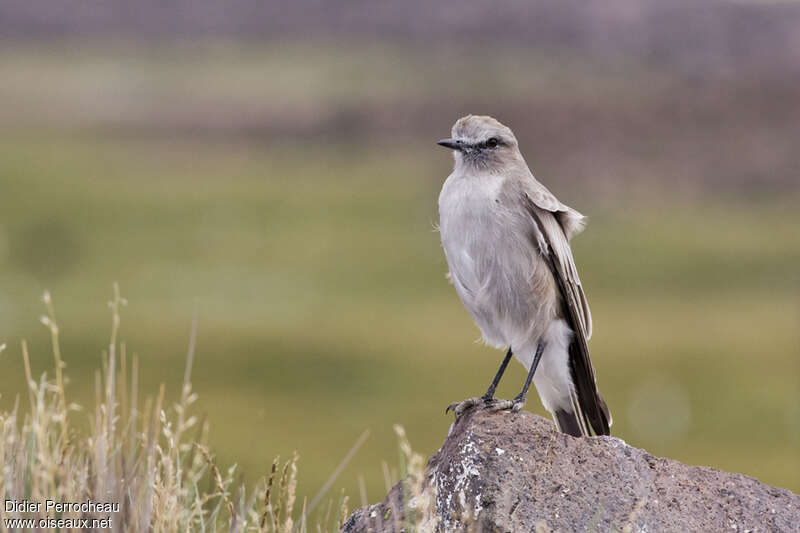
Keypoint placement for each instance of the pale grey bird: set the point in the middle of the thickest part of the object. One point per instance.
(506, 239)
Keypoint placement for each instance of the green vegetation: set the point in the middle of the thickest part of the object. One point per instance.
(318, 279)
(323, 308)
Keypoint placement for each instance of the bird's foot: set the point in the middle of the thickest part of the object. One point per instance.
(494, 404)
(507, 405)
(458, 408)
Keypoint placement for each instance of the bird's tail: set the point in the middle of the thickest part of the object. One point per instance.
(567, 422)
(572, 422)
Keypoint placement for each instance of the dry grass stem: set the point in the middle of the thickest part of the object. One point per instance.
(146, 461)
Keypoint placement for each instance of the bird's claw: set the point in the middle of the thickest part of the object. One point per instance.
(459, 408)
(507, 405)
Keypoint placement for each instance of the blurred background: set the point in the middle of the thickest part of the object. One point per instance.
(273, 166)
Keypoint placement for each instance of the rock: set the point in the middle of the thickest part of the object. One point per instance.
(504, 472)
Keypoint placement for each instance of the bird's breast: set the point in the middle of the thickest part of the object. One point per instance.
(494, 265)
(485, 241)
(467, 199)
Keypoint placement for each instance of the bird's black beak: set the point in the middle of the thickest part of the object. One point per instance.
(452, 144)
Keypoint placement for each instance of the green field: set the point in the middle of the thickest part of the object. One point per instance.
(324, 311)
(287, 194)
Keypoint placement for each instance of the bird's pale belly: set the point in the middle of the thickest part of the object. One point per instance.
(504, 284)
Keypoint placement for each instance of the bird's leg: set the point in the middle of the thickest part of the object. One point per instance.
(519, 400)
(460, 407)
(489, 396)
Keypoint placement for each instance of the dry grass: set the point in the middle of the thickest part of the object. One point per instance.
(420, 505)
(152, 461)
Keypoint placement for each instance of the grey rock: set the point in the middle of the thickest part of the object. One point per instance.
(509, 472)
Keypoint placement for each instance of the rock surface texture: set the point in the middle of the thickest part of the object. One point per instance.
(509, 472)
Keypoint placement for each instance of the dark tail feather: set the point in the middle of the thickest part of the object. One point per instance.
(590, 404)
(568, 423)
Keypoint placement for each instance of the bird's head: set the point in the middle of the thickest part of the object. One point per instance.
(482, 142)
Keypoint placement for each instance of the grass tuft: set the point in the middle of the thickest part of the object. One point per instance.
(153, 465)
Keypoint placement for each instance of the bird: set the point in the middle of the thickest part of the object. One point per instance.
(506, 239)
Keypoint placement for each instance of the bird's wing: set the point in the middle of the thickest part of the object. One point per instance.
(555, 223)
(570, 223)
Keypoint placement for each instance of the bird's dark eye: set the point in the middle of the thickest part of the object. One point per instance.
(492, 142)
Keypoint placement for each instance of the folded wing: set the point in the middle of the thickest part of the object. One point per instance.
(557, 223)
